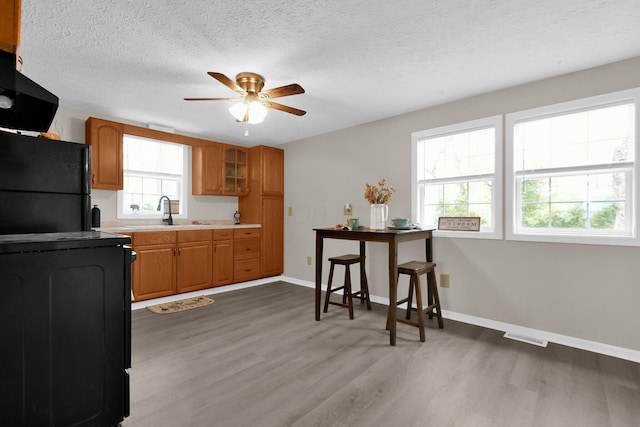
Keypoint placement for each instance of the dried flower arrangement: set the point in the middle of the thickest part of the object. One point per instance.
(379, 194)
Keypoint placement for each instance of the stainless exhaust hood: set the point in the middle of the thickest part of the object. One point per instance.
(24, 105)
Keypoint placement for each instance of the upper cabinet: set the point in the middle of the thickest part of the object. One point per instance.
(10, 17)
(272, 171)
(207, 169)
(106, 140)
(217, 169)
(235, 169)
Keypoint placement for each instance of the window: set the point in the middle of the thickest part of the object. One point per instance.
(457, 171)
(572, 171)
(151, 169)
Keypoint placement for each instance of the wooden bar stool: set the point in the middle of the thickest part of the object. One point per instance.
(415, 269)
(347, 293)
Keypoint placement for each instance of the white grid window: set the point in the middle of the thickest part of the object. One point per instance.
(151, 169)
(457, 171)
(572, 171)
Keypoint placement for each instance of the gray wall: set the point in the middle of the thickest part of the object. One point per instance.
(581, 291)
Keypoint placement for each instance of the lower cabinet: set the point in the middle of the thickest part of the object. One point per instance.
(174, 262)
(154, 271)
(246, 254)
(194, 260)
(222, 257)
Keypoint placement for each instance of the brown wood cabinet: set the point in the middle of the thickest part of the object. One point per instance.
(174, 262)
(106, 140)
(154, 271)
(272, 250)
(171, 262)
(271, 165)
(10, 19)
(207, 166)
(235, 170)
(264, 205)
(246, 254)
(194, 260)
(222, 257)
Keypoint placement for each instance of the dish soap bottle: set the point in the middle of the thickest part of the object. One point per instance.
(95, 216)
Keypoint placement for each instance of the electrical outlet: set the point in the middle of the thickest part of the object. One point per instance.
(444, 280)
(308, 260)
(347, 209)
(290, 210)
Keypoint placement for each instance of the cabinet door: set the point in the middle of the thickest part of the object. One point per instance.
(236, 169)
(194, 266)
(10, 28)
(207, 168)
(222, 262)
(106, 139)
(272, 171)
(154, 273)
(272, 236)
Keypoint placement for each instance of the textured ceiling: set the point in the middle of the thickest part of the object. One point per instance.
(358, 60)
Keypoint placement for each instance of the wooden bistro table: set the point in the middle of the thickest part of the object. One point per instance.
(392, 238)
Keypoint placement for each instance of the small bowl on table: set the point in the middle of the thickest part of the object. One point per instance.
(400, 222)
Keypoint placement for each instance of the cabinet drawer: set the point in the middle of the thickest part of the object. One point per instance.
(194, 236)
(246, 248)
(223, 234)
(246, 233)
(248, 269)
(154, 238)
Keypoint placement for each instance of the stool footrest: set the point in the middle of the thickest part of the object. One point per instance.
(339, 304)
(402, 301)
(408, 322)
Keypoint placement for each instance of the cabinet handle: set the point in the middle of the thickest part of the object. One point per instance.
(93, 179)
(179, 251)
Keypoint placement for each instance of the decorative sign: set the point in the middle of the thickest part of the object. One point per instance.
(459, 223)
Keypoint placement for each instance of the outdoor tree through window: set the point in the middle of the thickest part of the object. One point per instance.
(573, 170)
(458, 173)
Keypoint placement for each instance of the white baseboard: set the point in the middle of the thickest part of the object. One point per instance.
(595, 347)
(210, 291)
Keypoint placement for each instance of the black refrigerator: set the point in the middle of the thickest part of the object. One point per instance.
(65, 307)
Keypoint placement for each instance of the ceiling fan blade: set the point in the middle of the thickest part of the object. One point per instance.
(285, 108)
(279, 92)
(213, 99)
(227, 82)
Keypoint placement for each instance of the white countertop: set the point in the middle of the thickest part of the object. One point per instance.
(119, 229)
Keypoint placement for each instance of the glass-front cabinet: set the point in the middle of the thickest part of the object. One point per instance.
(235, 170)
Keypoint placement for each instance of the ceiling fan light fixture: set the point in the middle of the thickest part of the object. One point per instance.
(257, 112)
(253, 104)
(254, 111)
(238, 111)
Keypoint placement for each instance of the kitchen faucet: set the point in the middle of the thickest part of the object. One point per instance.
(169, 220)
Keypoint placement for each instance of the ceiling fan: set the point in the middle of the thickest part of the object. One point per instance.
(255, 101)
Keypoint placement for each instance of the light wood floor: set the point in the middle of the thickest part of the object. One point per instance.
(257, 357)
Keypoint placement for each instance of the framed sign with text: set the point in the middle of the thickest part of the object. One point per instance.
(459, 223)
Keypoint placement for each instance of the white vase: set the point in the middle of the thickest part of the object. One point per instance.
(379, 215)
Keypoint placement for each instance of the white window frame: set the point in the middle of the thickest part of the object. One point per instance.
(184, 187)
(563, 236)
(497, 189)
